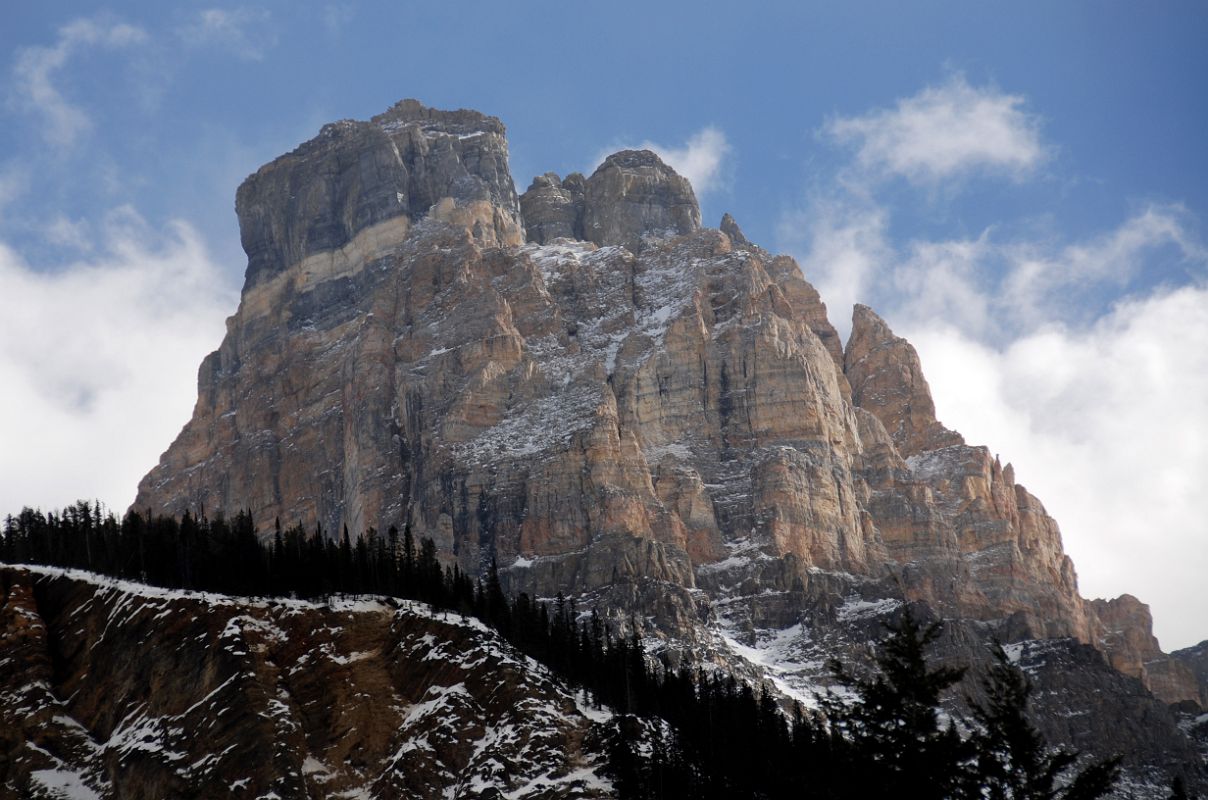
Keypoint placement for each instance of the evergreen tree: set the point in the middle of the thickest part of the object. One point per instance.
(407, 568)
(1013, 760)
(892, 741)
(495, 601)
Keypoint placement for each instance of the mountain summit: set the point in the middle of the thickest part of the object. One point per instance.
(588, 388)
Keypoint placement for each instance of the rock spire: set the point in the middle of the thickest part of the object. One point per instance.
(887, 380)
(632, 196)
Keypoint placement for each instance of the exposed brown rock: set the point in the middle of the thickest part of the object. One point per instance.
(886, 379)
(521, 400)
(633, 194)
(1195, 658)
(1128, 642)
(730, 228)
(957, 520)
(808, 303)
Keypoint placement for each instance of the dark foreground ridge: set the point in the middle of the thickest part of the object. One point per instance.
(677, 734)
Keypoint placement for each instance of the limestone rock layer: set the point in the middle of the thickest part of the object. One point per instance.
(588, 387)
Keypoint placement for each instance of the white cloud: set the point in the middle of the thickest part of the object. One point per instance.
(700, 159)
(246, 32)
(1108, 426)
(988, 287)
(1039, 282)
(944, 132)
(336, 16)
(37, 67)
(845, 247)
(98, 361)
(945, 280)
(71, 234)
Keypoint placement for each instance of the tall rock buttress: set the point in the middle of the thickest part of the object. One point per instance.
(394, 170)
(887, 380)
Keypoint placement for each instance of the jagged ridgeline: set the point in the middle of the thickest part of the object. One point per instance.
(587, 387)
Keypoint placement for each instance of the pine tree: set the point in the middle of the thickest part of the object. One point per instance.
(495, 601)
(892, 739)
(407, 568)
(1013, 760)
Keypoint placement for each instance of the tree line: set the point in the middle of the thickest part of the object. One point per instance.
(678, 733)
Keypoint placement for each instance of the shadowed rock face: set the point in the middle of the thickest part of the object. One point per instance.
(634, 194)
(1195, 659)
(652, 415)
(553, 208)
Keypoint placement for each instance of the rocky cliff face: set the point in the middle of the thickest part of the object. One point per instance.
(110, 689)
(354, 175)
(1128, 641)
(610, 400)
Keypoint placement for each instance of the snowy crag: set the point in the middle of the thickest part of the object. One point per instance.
(585, 385)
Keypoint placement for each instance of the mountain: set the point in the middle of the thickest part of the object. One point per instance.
(587, 387)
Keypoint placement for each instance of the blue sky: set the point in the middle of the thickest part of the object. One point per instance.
(1020, 188)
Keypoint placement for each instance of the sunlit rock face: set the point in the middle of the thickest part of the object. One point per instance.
(585, 412)
(609, 400)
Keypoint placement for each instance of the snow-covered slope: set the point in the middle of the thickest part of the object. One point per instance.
(111, 689)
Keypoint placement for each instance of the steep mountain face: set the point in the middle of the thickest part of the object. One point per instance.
(110, 689)
(587, 386)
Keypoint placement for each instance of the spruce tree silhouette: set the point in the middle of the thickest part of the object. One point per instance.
(1013, 760)
(891, 738)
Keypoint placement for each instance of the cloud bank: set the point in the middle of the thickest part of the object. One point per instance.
(1063, 356)
(99, 359)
